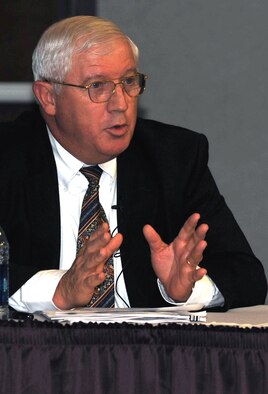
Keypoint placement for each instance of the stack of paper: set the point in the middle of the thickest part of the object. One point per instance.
(173, 314)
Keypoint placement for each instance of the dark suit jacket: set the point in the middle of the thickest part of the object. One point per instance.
(162, 178)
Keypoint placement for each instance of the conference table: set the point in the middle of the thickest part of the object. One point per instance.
(226, 354)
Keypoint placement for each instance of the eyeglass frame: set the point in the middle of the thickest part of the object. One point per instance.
(121, 82)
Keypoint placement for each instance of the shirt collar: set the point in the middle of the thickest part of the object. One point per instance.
(68, 166)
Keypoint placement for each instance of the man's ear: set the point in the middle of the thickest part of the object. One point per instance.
(45, 95)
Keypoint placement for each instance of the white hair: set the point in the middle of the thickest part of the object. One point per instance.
(52, 57)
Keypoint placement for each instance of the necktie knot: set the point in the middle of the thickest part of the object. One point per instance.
(92, 173)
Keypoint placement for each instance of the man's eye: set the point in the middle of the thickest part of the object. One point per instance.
(130, 80)
(97, 85)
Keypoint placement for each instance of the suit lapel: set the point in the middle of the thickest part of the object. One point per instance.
(137, 206)
(42, 198)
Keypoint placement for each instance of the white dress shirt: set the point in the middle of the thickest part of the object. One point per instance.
(37, 293)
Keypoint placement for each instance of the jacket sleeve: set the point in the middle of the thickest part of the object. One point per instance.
(230, 262)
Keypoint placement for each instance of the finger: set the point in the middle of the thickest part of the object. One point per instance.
(198, 274)
(191, 240)
(189, 226)
(96, 240)
(112, 246)
(100, 232)
(95, 261)
(93, 258)
(199, 250)
(196, 255)
(96, 278)
(189, 260)
(201, 231)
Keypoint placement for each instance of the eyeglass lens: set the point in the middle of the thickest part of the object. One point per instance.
(102, 91)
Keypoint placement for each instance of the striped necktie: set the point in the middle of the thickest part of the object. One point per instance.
(92, 215)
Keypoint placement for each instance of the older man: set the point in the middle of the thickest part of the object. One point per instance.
(153, 181)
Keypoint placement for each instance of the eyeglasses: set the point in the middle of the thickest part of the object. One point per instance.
(102, 91)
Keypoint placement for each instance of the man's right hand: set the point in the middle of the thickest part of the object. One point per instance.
(76, 287)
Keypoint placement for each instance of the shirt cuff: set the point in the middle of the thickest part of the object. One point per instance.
(37, 293)
(205, 293)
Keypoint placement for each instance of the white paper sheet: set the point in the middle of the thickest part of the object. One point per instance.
(174, 314)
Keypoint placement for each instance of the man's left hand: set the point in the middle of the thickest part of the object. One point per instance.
(176, 264)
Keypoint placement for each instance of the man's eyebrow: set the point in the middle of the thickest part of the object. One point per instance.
(102, 77)
(92, 78)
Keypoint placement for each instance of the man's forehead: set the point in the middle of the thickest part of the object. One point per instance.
(102, 58)
(104, 47)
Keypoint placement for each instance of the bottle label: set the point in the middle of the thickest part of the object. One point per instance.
(3, 285)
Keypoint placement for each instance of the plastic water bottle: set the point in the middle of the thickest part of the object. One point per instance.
(4, 275)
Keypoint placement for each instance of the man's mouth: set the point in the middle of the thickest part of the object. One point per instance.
(118, 126)
(118, 129)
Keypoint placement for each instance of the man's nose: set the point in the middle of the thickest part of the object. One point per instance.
(118, 100)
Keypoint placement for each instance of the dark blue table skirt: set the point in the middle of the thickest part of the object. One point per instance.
(50, 358)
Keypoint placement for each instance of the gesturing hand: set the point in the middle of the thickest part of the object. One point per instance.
(77, 285)
(176, 264)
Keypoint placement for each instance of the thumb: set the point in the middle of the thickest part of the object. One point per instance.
(153, 238)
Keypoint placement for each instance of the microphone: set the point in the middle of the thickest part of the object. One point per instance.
(119, 206)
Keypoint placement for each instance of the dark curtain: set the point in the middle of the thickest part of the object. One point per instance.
(49, 358)
(21, 25)
(76, 7)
